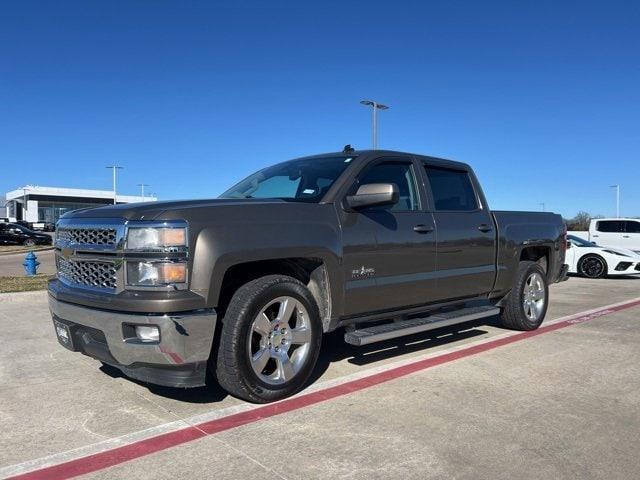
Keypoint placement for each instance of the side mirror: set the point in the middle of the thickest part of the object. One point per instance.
(374, 195)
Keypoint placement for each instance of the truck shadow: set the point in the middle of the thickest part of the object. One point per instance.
(334, 349)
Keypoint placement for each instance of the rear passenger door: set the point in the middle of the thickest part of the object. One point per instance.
(631, 237)
(466, 243)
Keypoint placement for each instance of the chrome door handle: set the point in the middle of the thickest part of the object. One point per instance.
(484, 228)
(423, 229)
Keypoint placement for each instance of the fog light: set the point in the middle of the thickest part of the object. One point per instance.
(62, 333)
(147, 333)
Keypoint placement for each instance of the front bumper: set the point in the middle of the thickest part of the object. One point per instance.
(179, 359)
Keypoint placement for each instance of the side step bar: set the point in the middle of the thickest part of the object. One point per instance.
(378, 333)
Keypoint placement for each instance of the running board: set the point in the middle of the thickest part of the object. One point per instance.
(378, 333)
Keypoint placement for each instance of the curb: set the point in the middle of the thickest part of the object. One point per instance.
(46, 249)
(17, 297)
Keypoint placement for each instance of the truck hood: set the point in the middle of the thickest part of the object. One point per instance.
(154, 210)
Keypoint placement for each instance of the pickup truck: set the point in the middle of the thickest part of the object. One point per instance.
(239, 290)
(613, 232)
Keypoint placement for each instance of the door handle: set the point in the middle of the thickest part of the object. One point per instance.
(422, 229)
(625, 236)
(484, 228)
(595, 236)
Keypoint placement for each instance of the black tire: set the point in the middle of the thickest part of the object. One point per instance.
(29, 242)
(233, 368)
(592, 266)
(513, 313)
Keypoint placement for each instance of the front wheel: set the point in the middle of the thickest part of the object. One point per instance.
(270, 340)
(29, 242)
(526, 305)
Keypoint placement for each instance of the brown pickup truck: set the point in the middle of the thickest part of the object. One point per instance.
(240, 289)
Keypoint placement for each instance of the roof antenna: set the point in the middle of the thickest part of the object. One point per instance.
(348, 149)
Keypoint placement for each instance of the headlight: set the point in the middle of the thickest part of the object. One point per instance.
(152, 274)
(150, 238)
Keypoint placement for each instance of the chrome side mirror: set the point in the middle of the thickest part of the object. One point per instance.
(374, 195)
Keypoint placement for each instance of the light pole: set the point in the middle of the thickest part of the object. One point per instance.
(375, 106)
(114, 168)
(617, 187)
(142, 185)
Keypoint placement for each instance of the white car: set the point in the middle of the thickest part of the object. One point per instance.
(593, 261)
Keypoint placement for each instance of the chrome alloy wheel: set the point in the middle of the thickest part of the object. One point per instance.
(533, 296)
(280, 340)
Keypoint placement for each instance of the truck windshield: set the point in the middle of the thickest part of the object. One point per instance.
(303, 180)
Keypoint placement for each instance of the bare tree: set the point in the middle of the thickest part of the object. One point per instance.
(580, 222)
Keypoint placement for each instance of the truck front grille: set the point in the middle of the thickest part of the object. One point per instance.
(88, 273)
(88, 236)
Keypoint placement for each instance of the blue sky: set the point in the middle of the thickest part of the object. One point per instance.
(541, 97)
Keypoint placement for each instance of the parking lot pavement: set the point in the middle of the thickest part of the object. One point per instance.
(561, 404)
(11, 265)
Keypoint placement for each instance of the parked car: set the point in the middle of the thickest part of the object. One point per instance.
(380, 243)
(15, 234)
(593, 261)
(613, 232)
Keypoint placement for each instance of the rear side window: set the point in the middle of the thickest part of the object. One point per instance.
(610, 226)
(451, 189)
(402, 175)
(633, 227)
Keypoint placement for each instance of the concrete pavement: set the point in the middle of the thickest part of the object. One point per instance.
(564, 404)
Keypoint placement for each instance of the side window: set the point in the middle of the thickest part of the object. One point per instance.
(610, 226)
(402, 175)
(632, 227)
(452, 189)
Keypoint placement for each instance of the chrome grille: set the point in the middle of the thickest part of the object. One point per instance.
(88, 273)
(88, 236)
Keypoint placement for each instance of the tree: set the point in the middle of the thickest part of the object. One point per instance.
(580, 222)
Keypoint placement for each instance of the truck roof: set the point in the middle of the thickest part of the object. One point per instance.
(443, 162)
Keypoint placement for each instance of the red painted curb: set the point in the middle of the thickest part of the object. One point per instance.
(158, 443)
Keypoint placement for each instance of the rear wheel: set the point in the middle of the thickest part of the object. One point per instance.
(270, 340)
(526, 305)
(592, 266)
(29, 242)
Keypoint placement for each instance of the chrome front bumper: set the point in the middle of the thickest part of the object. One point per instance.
(184, 338)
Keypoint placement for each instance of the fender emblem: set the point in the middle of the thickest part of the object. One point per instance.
(363, 272)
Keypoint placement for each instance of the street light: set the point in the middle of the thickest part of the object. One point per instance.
(617, 187)
(375, 106)
(114, 168)
(142, 185)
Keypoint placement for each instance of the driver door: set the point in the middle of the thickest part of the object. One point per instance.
(389, 251)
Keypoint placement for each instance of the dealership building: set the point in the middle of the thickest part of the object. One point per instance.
(47, 204)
